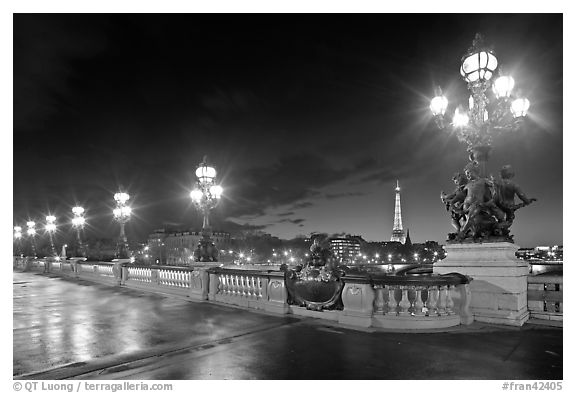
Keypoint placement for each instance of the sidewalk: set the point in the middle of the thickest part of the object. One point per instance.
(76, 329)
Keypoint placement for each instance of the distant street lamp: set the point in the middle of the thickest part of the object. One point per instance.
(491, 107)
(32, 234)
(51, 228)
(122, 215)
(78, 222)
(18, 240)
(205, 197)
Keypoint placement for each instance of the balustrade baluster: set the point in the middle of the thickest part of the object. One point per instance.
(258, 288)
(432, 301)
(235, 286)
(379, 300)
(230, 285)
(252, 288)
(449, 301)
(222, 286)
(228, 291)
(418, 303)
(442, 301)
(404, 303)
(249, 287)
(392, 304)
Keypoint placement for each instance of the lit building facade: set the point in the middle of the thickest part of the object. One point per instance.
(346, 249)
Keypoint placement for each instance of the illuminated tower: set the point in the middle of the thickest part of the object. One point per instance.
(398, 234)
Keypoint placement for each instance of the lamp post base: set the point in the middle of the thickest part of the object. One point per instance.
(500, 280)
(206, 250)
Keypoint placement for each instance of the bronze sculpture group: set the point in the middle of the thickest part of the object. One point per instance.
(483, 208)
(316, 285)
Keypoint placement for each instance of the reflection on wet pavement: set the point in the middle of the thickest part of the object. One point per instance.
(61, 321)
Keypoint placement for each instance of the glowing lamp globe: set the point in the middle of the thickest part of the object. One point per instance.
(78, 221)
(478, 66)
(117, 212)
(77, 210)
(460, 119)
(438, 105)
(196, 195)
(17, 229)
(519, 107)
(51, 227)
(503, 86)
(216, 191)
(17, 235)
(30, 224)
(205, 173)
(50, 219)
(121, 197)
(125, 211)
(31, 231)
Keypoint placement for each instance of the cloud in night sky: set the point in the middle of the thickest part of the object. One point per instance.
(294, 221)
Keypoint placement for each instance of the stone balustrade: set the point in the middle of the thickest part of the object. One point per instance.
(178, 281)
(545, 297)
(389, 302)
(405, 302)
(255, 289)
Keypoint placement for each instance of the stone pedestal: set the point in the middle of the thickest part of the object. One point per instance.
(358, 300)
(500, 280)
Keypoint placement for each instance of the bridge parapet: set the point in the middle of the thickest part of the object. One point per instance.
(390, 302)
(545, 299)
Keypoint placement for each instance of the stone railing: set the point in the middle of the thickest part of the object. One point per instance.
(255, 289)
(406, 302)
(545, 297)
(178, 281)
(389, 302)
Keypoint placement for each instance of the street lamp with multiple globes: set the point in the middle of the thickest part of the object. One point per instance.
(206, 196)
(51, 228)
(122, 215)
(78, 222)
(31, 231)
(492, 107)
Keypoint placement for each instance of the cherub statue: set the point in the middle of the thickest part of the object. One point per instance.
(478, 205)
(455, 200)
(505, 191)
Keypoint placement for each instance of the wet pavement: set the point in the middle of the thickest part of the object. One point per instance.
(64, 328)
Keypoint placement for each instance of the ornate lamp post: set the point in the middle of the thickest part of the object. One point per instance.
(78, 222)
(32, 233)
(18, 239)
(206, 196)
(492, 107)
(122, 215)
(51, 228)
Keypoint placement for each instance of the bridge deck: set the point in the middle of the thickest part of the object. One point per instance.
(64, 328)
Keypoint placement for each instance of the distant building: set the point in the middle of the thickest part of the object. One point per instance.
(346, 249)
(177, 248)
(541, 253)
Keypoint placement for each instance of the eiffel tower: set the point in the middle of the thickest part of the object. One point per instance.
(398, 234)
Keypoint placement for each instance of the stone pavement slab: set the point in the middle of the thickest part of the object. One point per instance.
(65, 328)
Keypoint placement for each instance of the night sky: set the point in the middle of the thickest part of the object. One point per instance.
(309, 119)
